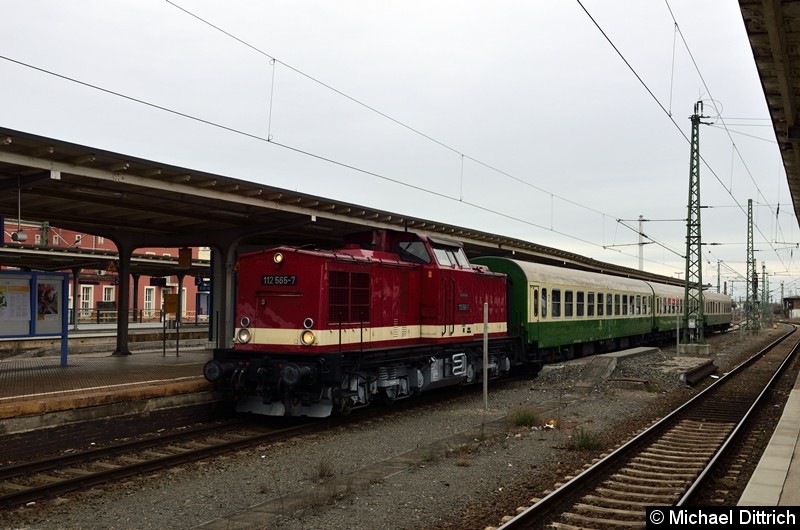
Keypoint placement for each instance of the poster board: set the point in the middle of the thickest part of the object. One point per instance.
(33, 303)
(49, 301)
(15, 304)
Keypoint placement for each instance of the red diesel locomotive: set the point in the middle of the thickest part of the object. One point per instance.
(386, 317)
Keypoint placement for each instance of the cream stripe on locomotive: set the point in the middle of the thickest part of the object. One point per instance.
(331, 337)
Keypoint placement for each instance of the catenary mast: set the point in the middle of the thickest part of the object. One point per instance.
(693, 306)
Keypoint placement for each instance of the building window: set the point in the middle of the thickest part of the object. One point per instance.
(149, 302)
(87, 299)
(108, 293)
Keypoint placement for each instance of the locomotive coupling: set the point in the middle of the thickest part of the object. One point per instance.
(215, 370)
(292, 374)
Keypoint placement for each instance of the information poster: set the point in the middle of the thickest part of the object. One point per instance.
(49, 318)
(15, 300)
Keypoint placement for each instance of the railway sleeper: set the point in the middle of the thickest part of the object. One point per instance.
(655, 499)
(591, 508)
(664, 486)
(562, 526)
(670, 447)
(78, 472)
(617, 502)
(596, 522)
(658, 467)
(687, 459)
(672, 456)
(655, 478)
(690, 444)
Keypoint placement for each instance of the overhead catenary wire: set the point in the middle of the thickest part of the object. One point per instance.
(274, 62)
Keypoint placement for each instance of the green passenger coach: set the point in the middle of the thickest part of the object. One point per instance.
(562, 313)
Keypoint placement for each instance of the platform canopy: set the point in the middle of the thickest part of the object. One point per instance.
(80, 188)
(773, 28)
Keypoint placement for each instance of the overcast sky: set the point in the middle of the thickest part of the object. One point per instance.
(544, 121)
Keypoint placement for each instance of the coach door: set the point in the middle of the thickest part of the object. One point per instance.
(533, 304)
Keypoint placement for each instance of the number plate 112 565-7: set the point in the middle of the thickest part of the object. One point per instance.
(278, 279)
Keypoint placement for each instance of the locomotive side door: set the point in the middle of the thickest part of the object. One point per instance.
(447, 292)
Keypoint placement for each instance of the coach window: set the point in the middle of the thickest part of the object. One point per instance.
(617, 310)
(544, 303)
(534, 304)
(568, 300)
(600, 304)
(609, 303)
(556, 303)
(638, 304)
(590, 304)
(579, 297)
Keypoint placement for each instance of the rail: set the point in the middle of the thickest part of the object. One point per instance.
(674, 455)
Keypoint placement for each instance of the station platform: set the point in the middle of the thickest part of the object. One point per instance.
(43, 402)
(41, 385)
(776, 480)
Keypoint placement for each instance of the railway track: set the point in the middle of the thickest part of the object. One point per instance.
(82, 469)
(669, 463)
(33, 481)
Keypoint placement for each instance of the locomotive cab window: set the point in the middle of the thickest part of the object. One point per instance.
(448, 256)
(413, 251)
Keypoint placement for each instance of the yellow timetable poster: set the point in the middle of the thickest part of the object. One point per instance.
(15, 301)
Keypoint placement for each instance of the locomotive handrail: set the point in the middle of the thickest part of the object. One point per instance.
(453, 306)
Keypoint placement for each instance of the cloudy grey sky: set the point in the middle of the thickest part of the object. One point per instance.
(544, 121)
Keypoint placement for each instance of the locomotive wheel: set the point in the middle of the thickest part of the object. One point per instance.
(386, 399)
(345, 407)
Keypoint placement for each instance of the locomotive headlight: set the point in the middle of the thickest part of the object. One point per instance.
(307, 337)
(243, 335)
(308, 323)
(278, 257)
(245, 322)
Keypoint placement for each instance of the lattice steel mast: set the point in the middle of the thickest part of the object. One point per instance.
(751, 304)
(693, 306)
